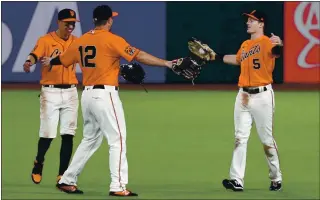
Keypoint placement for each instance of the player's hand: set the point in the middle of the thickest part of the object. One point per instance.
(45, 61)
(276, 40)
(168, 64)
(26, 66)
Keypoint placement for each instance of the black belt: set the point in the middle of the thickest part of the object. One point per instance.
(61, 86)
(102, 87)
(253, 90)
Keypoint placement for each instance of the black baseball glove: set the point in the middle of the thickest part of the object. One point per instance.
(132, 72)
(186, 67)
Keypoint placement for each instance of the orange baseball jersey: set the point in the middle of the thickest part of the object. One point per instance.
(98, 52)
(51, 45)
(256, 61)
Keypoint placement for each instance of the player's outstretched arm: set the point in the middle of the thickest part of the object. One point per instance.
(185, 67)
(66, 59)
(47, 61)
(230, 59)
(151, 60)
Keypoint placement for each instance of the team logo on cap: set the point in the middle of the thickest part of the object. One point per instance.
(72, 13)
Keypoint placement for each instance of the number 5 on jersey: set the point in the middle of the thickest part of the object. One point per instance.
(87, 54)
(256, 63)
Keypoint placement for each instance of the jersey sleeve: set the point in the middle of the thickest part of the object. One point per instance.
(238, 56)
(39, 49)
(69, 57)
(124, 49)
(268, 45)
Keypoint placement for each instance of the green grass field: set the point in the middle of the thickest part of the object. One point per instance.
(179, 146)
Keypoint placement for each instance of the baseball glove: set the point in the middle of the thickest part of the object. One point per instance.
(186, 67)
(200, 51)
(132, 72)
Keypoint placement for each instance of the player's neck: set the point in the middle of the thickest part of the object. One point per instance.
(64, 36)
(256, 35)
(106, 28)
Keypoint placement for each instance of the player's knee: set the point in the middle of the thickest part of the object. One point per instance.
(268, 144)
(48, 136)
(267, 148)
(114, 146)
(241, 140)
(47, 140)
(67, 138)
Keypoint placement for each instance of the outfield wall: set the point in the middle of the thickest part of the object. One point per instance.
(162, 29)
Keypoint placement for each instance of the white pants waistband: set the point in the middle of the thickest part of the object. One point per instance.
(104, 87)
(261, 88)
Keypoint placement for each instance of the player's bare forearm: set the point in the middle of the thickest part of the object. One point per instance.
(230, 59)
(151, 60)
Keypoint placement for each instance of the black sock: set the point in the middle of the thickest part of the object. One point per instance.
(65, 152)
(43, 146)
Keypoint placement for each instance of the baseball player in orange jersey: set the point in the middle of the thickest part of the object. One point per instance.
(59, 96)
(98, 52)
(255, 100)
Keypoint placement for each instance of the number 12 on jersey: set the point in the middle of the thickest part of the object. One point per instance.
(88, 54)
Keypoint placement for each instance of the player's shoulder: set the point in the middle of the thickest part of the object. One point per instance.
(266, 39)
(45, 39)
(266, 42)
(246, 42)
(114, 36)
(73, 37)
(47, 36)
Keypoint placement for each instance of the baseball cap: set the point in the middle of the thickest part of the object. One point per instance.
(67, 15)
(257, 15)
(103, 12)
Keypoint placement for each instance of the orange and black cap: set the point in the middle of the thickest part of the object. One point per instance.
(67, 15)
(257, 15)
(103, 12)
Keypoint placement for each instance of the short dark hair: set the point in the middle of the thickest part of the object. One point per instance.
(100, 22)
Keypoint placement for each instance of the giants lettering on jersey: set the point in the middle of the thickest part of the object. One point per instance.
(254, 50)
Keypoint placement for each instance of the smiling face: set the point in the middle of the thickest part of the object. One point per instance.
(66, 27)
(254, 26)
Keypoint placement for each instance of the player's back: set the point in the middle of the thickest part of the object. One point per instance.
(99, 58)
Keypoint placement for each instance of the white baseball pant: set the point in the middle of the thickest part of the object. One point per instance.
(58, 104)
(102, 116)
(260, 109)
